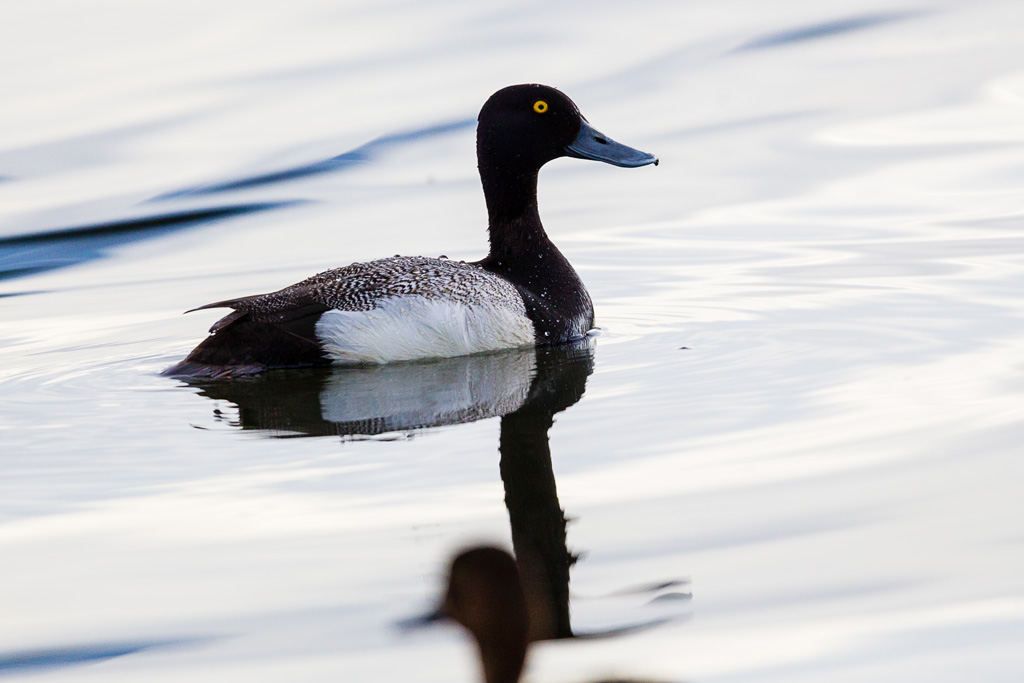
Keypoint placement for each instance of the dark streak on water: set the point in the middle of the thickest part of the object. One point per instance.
(822, 30)
(37, 252)
(14, 663)
(360, 154)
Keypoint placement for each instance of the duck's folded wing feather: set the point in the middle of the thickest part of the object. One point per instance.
(361, 286)
(278, 329)
(286, 311)
(264, 331)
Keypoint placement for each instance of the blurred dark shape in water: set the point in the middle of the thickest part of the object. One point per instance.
(488, 595)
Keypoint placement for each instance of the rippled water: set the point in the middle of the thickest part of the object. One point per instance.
(806, 398)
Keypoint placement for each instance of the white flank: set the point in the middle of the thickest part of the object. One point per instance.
(413, 327)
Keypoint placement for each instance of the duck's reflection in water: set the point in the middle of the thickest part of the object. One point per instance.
(526, 387)
(364, 401)
(537, 519)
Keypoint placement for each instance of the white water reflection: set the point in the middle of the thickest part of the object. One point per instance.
(834, 234)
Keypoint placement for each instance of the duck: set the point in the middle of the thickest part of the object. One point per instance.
(405, 308)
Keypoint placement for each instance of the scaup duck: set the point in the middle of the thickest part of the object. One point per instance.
(523, 293)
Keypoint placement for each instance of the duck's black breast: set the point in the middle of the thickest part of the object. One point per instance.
(557, 303)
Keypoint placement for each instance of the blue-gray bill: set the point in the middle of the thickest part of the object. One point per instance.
(593, 144)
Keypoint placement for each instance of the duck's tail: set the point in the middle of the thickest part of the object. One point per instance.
(240, 345)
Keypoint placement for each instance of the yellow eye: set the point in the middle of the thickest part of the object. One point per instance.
(540, 106)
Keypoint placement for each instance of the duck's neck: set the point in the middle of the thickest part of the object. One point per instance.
(513, 221)
(556, 301)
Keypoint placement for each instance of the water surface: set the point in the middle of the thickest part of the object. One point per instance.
(804, 403)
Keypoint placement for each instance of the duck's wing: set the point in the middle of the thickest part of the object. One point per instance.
(257, 336)
(278, 329)
(311, 297)
(361, 286)
(258, 309)
(263, 331)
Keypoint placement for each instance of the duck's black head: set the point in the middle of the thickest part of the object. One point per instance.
(522, 127)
